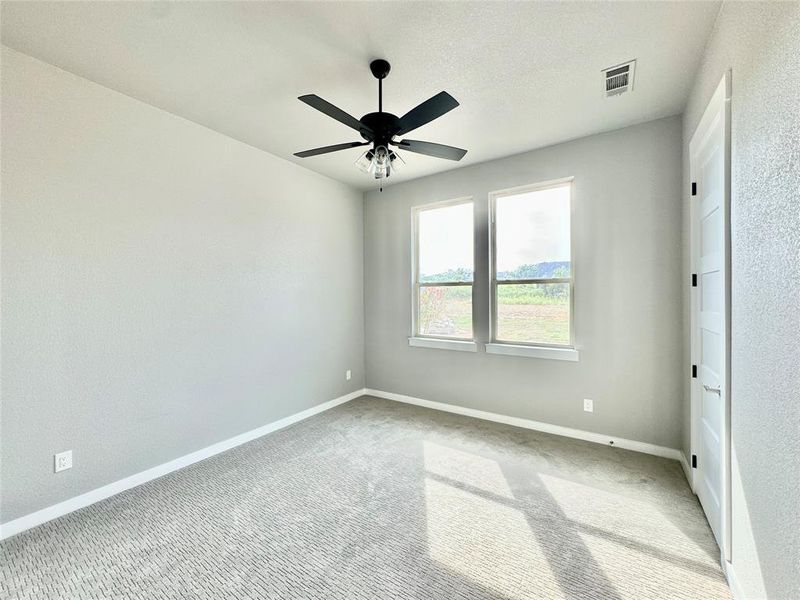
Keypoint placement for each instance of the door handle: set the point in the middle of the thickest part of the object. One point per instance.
(716, 390)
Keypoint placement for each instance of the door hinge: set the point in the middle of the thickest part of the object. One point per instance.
(694, 461)
(694, 371)
(694, 279)
(694, 188)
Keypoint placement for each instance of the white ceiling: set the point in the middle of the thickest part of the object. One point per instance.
(527, 74)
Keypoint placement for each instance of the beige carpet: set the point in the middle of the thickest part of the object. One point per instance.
(376, 499)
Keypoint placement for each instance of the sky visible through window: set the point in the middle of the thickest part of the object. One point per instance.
(533, 228)
(445, 241)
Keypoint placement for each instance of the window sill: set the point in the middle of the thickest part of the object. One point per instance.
(569, 354)
(442, 344)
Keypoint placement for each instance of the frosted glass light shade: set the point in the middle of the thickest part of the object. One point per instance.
(365, 161)
(396, 163)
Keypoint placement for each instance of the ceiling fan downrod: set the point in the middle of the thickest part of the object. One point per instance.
(380, 69)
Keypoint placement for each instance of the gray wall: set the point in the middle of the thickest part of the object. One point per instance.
(760, 42)
(627, 224)
(164, 287)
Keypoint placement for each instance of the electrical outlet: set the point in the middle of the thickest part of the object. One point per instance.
(588, 405)
(348, 375)
(63, 461)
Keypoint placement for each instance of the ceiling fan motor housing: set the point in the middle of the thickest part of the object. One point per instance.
(380, 127)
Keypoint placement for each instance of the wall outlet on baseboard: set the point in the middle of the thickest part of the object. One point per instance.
(588, 405)
(348, 374)
(63, 461)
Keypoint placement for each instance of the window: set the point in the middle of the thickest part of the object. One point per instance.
(531, 266)
(443, 273)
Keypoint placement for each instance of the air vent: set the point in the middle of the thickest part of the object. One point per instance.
(619, 79)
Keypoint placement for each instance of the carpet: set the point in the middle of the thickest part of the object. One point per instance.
(376, 499)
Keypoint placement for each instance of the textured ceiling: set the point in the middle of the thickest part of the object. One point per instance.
(527, 74)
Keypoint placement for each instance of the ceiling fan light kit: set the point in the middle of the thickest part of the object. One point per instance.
(380, 162)
(381, 129)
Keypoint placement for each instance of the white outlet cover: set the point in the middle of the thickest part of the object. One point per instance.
(63, 461)
(588, 405)
(348, 374)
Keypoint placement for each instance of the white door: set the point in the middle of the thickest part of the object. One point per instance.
(709, 161)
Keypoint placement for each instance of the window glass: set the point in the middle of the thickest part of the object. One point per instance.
(445, 243)
(445, 311)
(533, 312)
(532, 230)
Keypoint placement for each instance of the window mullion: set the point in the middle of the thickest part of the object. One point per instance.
(533, 281)
(443, 283)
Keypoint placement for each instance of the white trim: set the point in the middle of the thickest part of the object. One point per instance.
(533, 351)
(687, 471)
(442, 344)
(577, 434)
(67, 506)
(533, 187)
(736, 589)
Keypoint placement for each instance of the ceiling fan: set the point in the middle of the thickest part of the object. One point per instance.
(380, 129)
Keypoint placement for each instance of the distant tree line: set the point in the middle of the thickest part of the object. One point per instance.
(543, 270)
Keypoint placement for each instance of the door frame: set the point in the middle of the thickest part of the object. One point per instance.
(718, 107)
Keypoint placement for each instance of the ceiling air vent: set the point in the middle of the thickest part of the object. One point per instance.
(618, 80)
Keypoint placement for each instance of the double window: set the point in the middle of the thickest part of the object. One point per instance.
(530, 269)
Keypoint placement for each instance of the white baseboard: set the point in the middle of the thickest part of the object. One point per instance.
(736, 590)
(579, 434)
(67, 506)
(687, 470)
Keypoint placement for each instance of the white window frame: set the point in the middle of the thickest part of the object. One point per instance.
(431, 341)
(530, 349)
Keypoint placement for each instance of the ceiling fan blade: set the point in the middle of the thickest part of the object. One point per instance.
(431, 109)
(431, 149)
(326, 149)
(332, 111)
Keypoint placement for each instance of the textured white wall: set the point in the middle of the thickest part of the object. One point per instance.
(164, 287)
(760, 42)
(627, 210)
